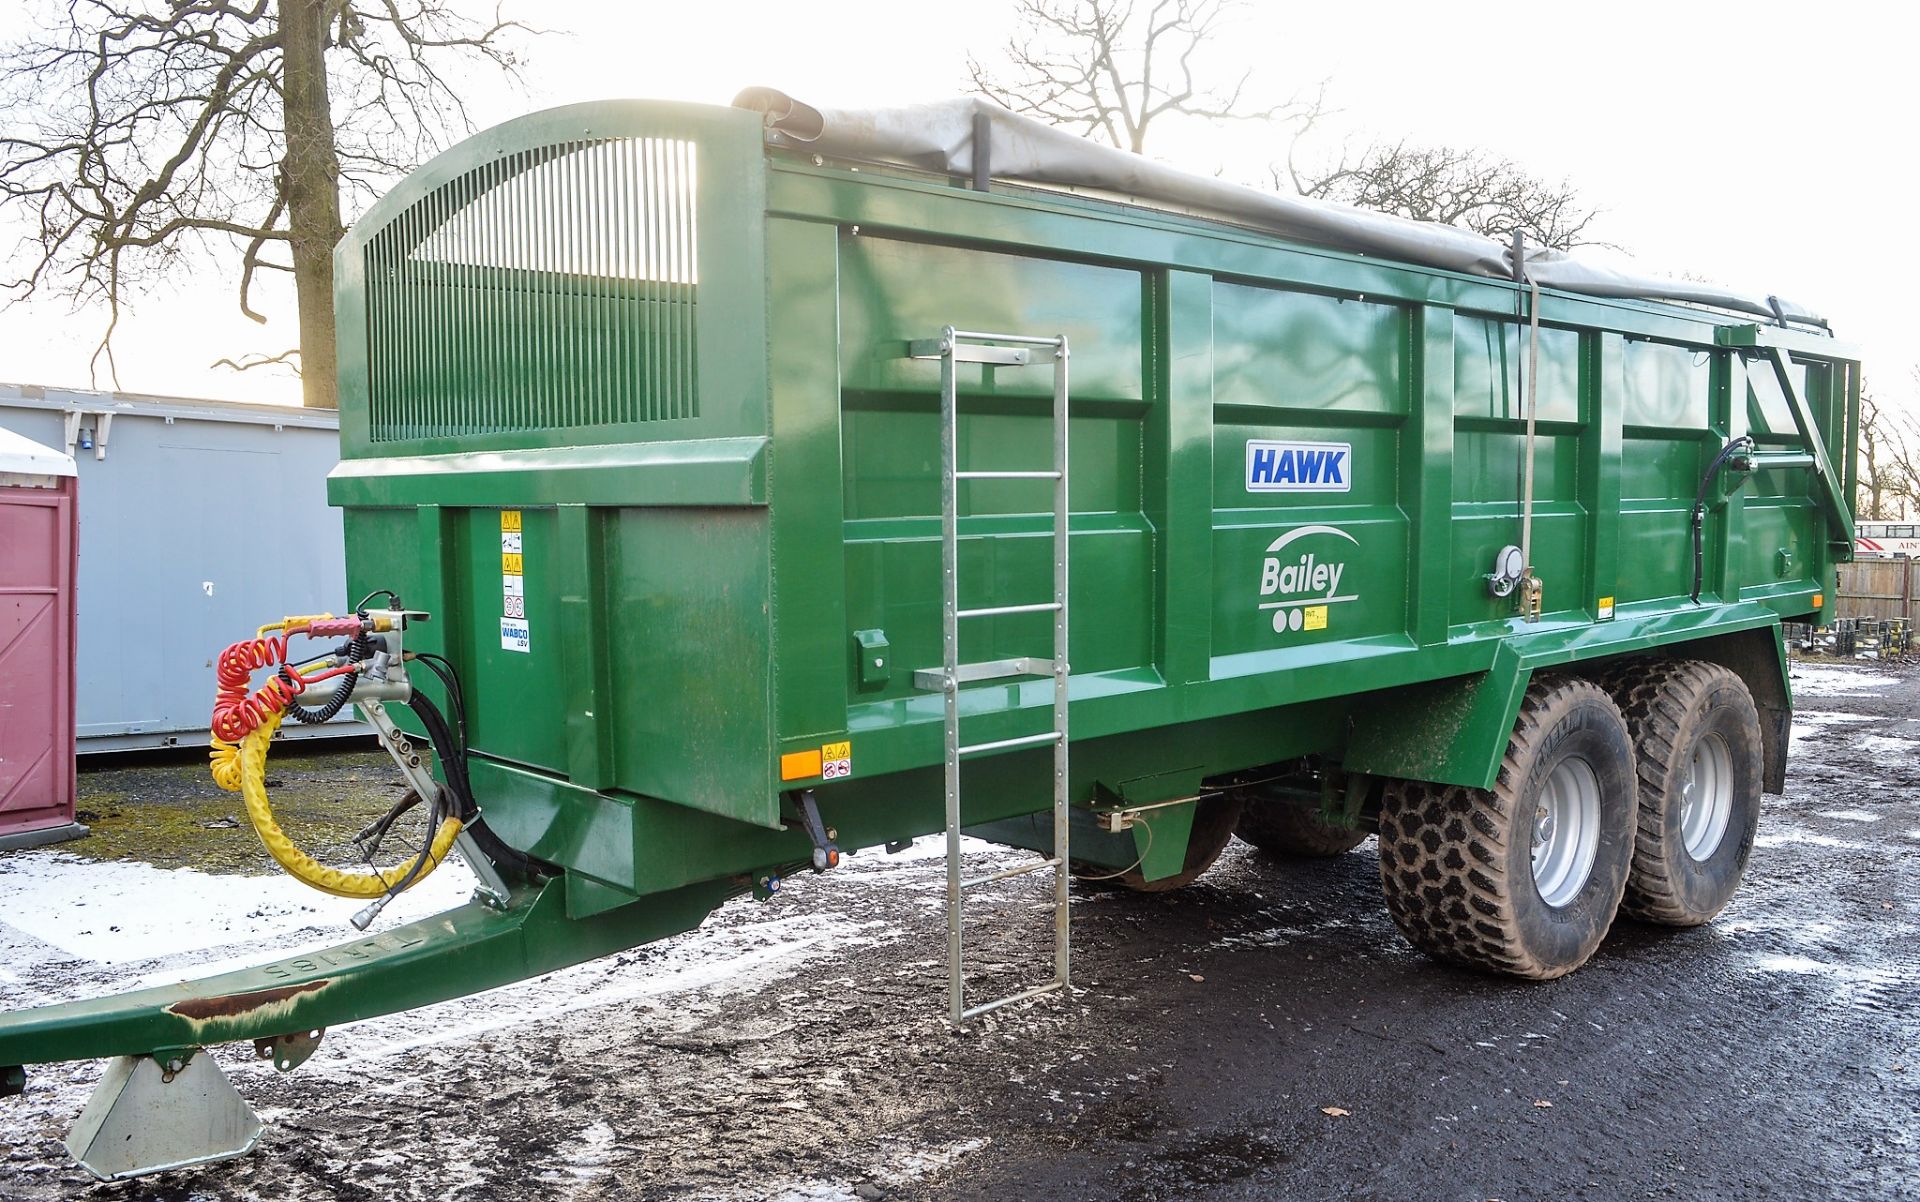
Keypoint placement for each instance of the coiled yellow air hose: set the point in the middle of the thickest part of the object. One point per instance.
(242, 769)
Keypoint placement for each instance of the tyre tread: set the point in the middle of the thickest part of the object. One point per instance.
(1443, 851)
(1655, 696)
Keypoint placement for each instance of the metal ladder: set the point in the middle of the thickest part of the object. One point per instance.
(952, 348)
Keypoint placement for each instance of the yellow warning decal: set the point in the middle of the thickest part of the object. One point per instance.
(509, 520)
(799, 765)
(1603, 608)
(1313, 617)
(836, 760)
(510, 565)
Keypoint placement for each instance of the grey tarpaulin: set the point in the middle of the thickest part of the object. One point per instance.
(939, 137)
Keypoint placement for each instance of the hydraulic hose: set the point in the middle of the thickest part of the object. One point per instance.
(243, 729)
(252, 773)
(1738, 446)
(453, 760)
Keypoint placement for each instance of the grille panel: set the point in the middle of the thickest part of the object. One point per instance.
(552, 288)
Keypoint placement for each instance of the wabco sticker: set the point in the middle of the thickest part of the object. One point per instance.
(1298, 466)
(515, 634)
(1301, 574)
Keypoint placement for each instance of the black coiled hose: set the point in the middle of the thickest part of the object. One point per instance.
(356, 651)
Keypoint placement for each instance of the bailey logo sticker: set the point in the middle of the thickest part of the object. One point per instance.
(1298, 466)
(1303, 577)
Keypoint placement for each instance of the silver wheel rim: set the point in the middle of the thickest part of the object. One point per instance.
(1566, 831)
(1706, 800)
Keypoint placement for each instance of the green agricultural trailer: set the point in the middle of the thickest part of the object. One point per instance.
(741, 485)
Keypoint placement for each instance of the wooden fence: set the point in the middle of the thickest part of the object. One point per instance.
(1879, 589)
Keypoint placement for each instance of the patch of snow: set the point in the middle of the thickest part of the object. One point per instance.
(896, 1172)
(1887, 744)
(114, 912)
(1836, 680)
(1781, 835)
(584, 1157)
(714, 962)
(1807, 723)
(1868, 976)
(926, 847)
(1268, 937)
(1850, 815)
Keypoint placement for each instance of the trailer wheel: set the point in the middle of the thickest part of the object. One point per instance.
(1523, 878)
(1295, 831)
(1696, 737)
(1213, 822)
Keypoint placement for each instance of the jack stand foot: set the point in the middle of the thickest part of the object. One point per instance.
(144, 1119)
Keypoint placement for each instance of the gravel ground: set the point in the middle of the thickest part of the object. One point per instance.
(1262, 1034)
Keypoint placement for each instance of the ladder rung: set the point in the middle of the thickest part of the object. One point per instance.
(1036, 991)
(964, 352)
(1051, 736)
(1006, 874)
(1006, 475)
(935, 679)
(1023, 339)
(1041, 607)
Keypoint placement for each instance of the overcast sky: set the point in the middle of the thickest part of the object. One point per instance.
(1763, 146)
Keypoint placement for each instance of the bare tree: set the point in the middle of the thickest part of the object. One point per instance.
(1111, 68)
(1468, 188)
(1874, 477)
(1889, 460)
(140, 132)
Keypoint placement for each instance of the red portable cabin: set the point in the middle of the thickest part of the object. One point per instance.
(38, 541)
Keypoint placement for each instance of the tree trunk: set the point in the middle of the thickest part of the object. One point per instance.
(312, 184)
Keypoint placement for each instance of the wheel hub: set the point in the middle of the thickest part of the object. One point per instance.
(1566, 831)
(1706, 799)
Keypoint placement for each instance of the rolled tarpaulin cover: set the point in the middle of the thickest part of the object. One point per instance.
(939, 137)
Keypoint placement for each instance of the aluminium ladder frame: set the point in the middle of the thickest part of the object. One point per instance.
(954, 347)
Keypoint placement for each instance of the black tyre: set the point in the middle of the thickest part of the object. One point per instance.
(1696, 737)
(1294, 831)
(1523, 878)
(1213, 821)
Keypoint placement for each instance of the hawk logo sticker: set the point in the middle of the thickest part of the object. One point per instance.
(1300, 577)
(1298, 466)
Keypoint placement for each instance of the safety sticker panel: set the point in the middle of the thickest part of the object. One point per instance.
(515, 634)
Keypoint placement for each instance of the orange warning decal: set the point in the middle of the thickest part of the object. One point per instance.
(798, 765)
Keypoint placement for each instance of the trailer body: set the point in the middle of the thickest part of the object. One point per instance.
(676, 362)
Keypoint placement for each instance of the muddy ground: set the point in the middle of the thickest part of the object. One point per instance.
(795, 1051)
